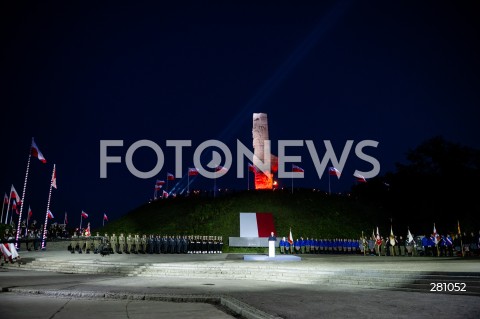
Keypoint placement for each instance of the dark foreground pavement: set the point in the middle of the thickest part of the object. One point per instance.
(32, 294)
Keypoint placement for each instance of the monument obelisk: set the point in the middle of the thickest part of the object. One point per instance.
(263, 180)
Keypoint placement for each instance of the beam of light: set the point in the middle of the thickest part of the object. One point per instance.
(326, 23)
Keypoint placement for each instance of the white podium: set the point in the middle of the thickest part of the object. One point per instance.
(271, 248)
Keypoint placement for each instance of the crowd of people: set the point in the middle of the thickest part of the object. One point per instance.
(145, 244)
(433, 245)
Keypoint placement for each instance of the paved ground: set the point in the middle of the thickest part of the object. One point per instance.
(283, 300)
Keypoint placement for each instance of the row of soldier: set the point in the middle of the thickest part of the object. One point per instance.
(319, 246)
(151, 244)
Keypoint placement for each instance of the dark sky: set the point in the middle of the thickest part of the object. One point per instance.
(74, 74)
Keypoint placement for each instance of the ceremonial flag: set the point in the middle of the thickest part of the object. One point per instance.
(65, 220)
(290, 237)
(87, 231)
(409, 236)
(360, 178)
(30, 213)
(435, 235)
(105, 217)
(5, 199)
(458, 223)
(14, 195)
(165, 194)
(192, 171)
(297, 169)
(54, 178)
(333, 171)
(49, 214)
(391, 230)
(35, 151)
(170, 177)
(220, 169)
(251, 168)
(84, 215)
(160, 182)
(14, 207)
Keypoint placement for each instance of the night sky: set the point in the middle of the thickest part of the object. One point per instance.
(74, 74)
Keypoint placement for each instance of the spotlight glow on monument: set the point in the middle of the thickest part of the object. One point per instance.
(263, 180)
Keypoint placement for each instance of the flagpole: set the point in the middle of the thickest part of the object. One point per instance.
(292, 178)
(214, 183)
(329, 187)
(48, 208)
(8, 206)
(248, 179)
(3, 208)
(103, 221)
(28, 217)
(11, 216)
(23, 194)
(188, 182)
(81, 219)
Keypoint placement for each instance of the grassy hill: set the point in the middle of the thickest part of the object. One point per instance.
(308, 213)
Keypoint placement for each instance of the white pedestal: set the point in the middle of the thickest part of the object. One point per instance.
(271, 248)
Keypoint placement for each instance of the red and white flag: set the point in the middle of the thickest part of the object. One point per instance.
(297, 169)
(35, 151)
(192, 171)
(30, 213)
(170, 177)
(159, 182)
(105, 217)
(165, 194)
(5, 199)
(84, 215)
(290, 237)
(14, 195)
(14, 207)
(54, 178)
(333, 171)
(49, 214)
(360, 178)
(256, 224)
(220, 168)
(436, 237)
(158, 187)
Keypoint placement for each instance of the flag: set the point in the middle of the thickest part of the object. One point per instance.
(391, 230)
(436, 237)
(170, 177)
(14, 195)
(220, 168)
(165, 194)
(256, 224)
(158, 187)
(377, 238)
(35, 151)
(30, 213)
(290, 237)
(105, 217)
(65, 219)
(251, 168)
(159, 182)
(373, 233)
(54, 178)
(5, 199)
(87, 231)
(360, 178)
(458, 223)
(192, 171)
(49, 214)
(409, 236)
(297, 169)
(84, 215)
(333, 171)
(14, 207)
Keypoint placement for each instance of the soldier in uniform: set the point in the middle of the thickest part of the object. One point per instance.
(150, 244)
(281, 245)
(401, 245)
(115, 243)
(96, 243)
(220, 239)
(143, 244)
(136, 243)
(121, 243)
(129, 243)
